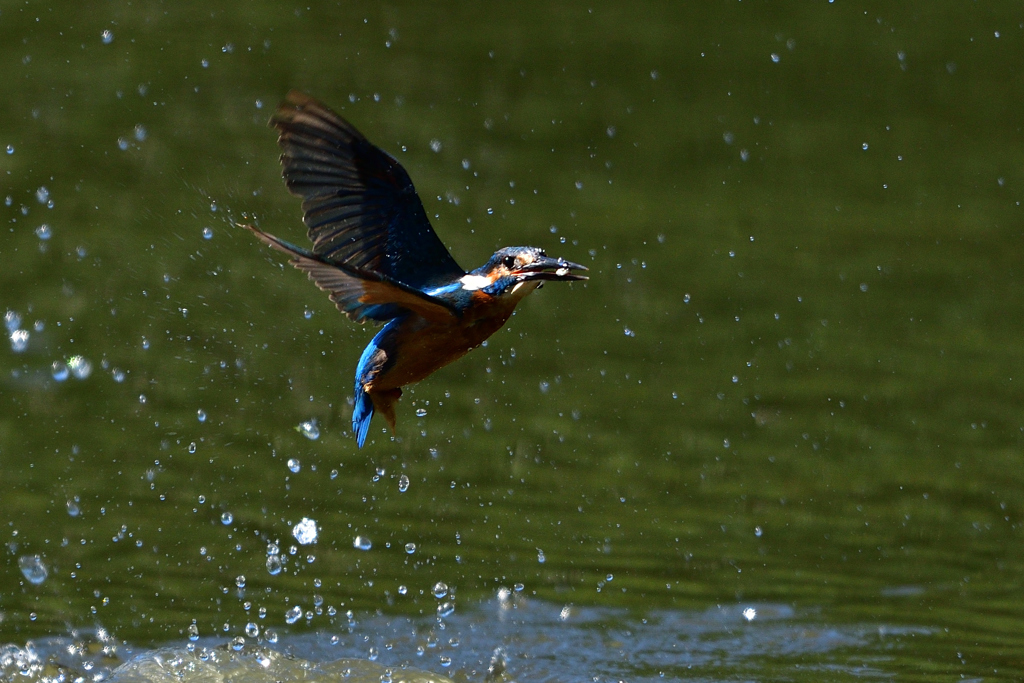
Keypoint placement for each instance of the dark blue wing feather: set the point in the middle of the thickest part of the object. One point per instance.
(359, 204)
(362, 294)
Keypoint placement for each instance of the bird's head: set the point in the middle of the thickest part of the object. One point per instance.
(512, 267)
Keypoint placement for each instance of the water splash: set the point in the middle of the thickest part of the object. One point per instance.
(19, 340)
(305, 531)
(59, 371)
(33, 569)
(309, 429)
(80, 367)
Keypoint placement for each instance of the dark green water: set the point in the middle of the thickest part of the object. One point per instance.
(792, 381)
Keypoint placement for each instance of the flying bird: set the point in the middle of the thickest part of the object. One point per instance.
(376, 255)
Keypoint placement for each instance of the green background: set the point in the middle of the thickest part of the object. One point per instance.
(791, 381)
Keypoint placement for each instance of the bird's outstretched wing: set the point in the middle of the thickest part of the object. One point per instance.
(359, 294)
(359, 205)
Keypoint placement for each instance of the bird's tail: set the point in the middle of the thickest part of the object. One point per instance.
(362, 413)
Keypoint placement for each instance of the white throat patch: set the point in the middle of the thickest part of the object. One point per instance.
(474, 282)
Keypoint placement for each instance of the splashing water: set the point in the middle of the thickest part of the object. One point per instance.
(33, 569)
(309, 429)
(305, 532)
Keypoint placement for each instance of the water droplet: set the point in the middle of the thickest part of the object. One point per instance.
(142, 398)
(307, 314)
(145, 344)
(33, 569)
(240, 580)
(237, 643)
(118, 374)
(107, 36)
(373, 654)
(435, 145)
(80, 367)
(192, 448)
(540, 556)
(421, 412)
(252, 630)
(440, 589)
(12, 320)
(226, 518)
(19, 340)
(445, 661)
(544, 387)
(293, 614)
(504, 594)
(294, 465)
(864, 146)
(446, 609)
(59, 370)
(274, 565)
(10, 149)
(207, 233)
(305, 532)
(193, 632)
(403, 483)
(758, 531)
(518, 588)
(362, 543)
(750, 614)
(271, 635)
(201, 415)
(42, 195)
(309, 429)
(402, 590)
(73, 509)
(140, 132)
(410, 548)
(775, 57)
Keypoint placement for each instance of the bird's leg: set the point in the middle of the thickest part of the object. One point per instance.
(384, 403)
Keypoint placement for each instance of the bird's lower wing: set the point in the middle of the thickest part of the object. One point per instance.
(361, 295)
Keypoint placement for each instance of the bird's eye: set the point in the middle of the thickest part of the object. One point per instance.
(509, 262)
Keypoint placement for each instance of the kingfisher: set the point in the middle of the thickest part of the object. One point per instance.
(378, 258)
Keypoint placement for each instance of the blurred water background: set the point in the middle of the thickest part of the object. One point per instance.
(777, 435)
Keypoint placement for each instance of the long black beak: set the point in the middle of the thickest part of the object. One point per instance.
(548, 268)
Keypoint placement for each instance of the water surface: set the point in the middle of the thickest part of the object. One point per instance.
(790, 385)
